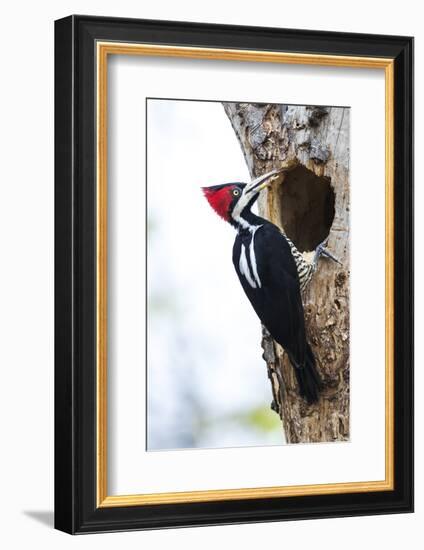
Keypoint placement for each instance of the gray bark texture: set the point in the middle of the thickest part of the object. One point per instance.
(309, 202)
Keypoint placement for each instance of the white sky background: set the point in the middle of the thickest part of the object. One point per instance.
(204, 353)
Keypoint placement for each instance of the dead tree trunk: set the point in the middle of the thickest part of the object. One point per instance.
(310, 203)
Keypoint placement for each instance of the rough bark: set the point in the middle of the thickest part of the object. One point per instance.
(309, 202)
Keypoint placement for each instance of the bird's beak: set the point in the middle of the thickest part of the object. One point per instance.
(262, 181)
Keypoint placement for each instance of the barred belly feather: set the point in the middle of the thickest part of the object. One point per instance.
(305, 269)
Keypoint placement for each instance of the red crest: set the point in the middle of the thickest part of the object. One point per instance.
(220, 197)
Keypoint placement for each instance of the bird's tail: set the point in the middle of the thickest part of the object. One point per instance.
(308, 378)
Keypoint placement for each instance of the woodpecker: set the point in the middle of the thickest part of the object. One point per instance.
(272, 273)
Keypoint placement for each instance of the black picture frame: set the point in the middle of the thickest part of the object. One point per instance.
(76, 509)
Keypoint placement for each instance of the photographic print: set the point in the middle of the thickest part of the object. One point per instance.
(247, 274)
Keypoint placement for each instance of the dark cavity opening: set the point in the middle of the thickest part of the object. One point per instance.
(306, 207)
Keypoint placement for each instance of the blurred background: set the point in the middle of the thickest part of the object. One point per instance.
(207, 384)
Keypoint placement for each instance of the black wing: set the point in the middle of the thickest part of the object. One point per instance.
(276, 295)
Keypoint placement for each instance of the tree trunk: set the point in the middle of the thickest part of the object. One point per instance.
(310, 202)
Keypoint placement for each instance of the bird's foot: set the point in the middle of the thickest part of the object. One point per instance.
(274, 407)
(321, 250)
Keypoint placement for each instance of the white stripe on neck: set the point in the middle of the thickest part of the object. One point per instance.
(238, 209)
(245, 224)
(253, 256)
(244, 267)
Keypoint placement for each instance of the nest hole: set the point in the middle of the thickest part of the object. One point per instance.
(306, 208)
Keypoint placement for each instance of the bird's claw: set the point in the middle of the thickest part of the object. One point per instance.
(321, 250)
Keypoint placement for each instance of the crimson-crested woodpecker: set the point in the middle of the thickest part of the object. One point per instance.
(272, 273)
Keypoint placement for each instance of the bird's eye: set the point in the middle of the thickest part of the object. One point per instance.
(236, 192)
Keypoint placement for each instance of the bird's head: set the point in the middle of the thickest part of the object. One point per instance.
(229, 200)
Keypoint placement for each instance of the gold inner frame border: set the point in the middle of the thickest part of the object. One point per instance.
(103, 50)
